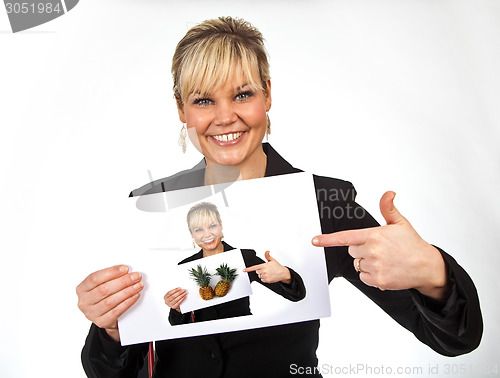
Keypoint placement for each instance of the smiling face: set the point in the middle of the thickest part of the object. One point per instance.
(222, 88)
(208, 235)
(228, 125)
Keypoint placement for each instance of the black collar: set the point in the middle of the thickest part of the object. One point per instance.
(226, 246)
(195, 176)
(275, 166)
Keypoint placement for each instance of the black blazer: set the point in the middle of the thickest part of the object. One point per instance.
(449, 327)
(295, 291)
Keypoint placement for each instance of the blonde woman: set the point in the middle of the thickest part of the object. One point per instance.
(223, 91)
(205, 226)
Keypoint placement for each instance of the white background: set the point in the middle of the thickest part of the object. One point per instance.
(389, 94)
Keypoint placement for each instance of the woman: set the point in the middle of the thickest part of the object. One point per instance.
(205, 226)
(223, 92)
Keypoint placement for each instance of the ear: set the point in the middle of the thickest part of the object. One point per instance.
(180, 110)
(267, 94)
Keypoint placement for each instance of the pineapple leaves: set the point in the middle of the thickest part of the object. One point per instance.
(202, 278)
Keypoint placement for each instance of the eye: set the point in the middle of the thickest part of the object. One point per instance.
(242, 96)
(213, 225)
(198, 230)
(203, 101)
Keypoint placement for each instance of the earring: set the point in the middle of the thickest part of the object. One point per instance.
(268, 127)
(182, 138)
(194, 244)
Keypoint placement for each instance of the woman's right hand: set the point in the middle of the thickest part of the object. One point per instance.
(106, 294)
(174, 298)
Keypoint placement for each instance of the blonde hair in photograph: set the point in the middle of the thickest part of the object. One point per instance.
(202, 213)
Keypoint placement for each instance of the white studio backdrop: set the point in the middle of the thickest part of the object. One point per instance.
(390, 95)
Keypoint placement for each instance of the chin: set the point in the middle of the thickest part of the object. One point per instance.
(229, 159)
(212, 246)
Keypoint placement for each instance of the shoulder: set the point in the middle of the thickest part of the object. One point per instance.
(333, 189)
(188, 178)
(327, 188)
(248, 252)
(250, 257)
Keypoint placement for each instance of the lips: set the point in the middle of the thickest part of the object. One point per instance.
(227, 139)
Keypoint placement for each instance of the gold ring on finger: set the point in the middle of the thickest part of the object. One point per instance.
(358, 265)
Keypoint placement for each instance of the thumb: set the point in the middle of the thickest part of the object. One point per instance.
(388, 210)
(268, 256)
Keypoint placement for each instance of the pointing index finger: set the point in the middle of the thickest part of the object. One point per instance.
(253, 268)
(341, 238)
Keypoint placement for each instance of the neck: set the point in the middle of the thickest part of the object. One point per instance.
(219, 249)
(253, 167)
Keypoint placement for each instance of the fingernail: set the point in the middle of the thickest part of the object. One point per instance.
(138, 286)
(315, 241)
(135, 276)
(123, 268)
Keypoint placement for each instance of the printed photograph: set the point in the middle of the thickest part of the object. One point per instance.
(219, 258)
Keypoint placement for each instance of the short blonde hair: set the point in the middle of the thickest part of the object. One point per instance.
(212, 52)
(202, 213)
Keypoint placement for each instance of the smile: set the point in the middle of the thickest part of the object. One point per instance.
(227, 137)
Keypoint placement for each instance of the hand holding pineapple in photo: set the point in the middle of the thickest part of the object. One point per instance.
(175, 297)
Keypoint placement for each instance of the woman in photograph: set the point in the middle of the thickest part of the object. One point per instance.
(222, 88)
(205, 226)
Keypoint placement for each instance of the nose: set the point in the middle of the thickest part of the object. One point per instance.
(225, 113)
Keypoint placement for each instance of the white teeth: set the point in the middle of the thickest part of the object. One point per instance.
(227, 137)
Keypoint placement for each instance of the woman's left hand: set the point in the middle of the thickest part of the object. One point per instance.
(393, 257)
(271, 271)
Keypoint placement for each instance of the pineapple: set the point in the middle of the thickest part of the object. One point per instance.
(227, 275)
(202, 278)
